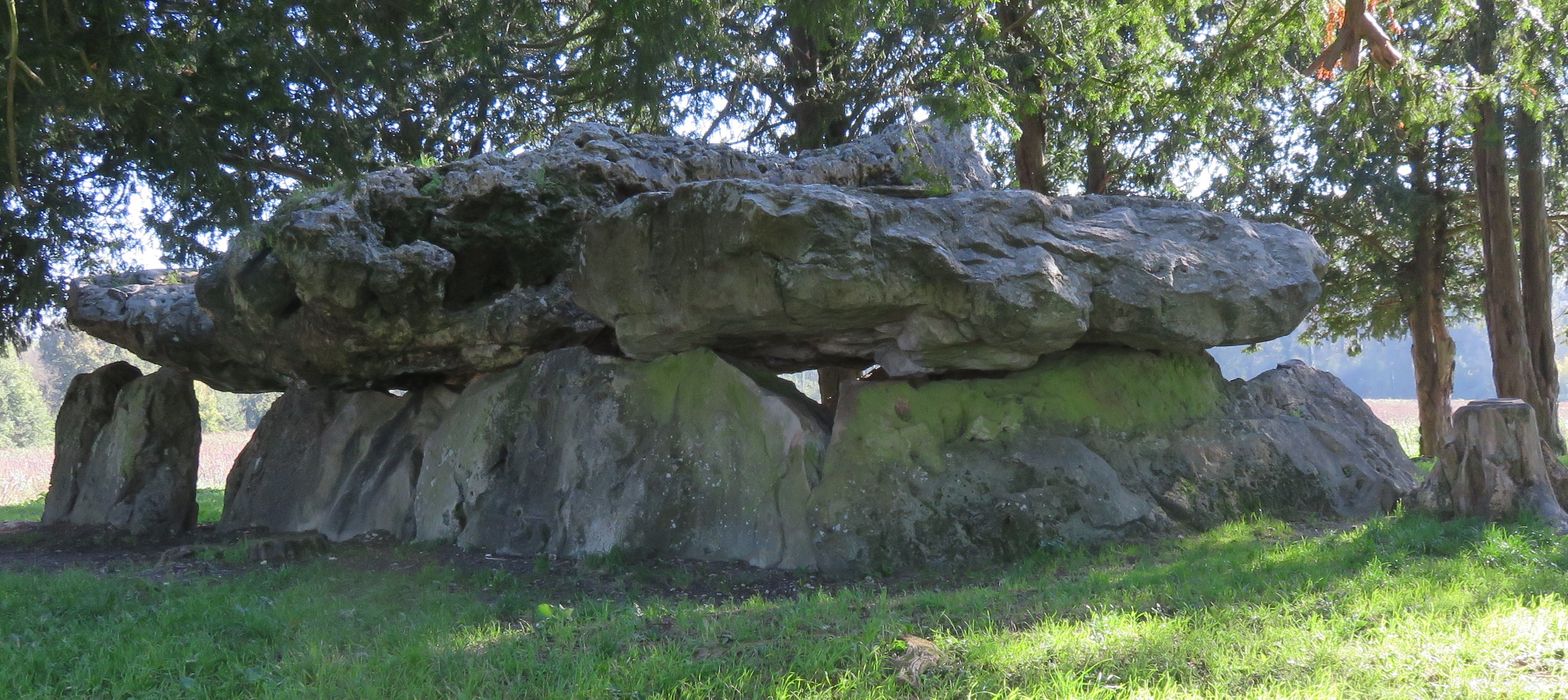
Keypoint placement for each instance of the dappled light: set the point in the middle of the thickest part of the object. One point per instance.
(1252, 608)
(818, 348)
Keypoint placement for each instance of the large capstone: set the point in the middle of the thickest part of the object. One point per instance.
(799, 276)
(340, 464)
(1090, 446)
(154, 314)
(413, 274)
(126, 451)
(573, 454)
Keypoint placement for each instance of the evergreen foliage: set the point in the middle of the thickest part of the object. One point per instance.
(59, 354)
(24, 420)
(216, 112)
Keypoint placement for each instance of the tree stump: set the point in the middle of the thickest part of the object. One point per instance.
(1493, 466)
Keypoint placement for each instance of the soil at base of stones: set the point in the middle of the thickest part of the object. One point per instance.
(205, 553)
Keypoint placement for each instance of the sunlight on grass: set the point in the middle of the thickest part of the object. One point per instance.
(1403, 606)
(29, 510)
(209, 503)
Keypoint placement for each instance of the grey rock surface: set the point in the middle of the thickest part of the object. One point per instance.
(1091, 446)
(573, 454)
(798, 276)
(413, 274)
(340, 464)
(154, 314)
(85, 411)
(139, 473)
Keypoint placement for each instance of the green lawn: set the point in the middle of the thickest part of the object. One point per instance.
(1402, 607)
(209, 504)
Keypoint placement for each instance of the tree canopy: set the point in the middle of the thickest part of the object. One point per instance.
(1357, 120)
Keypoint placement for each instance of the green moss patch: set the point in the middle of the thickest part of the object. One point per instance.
(1105, 389)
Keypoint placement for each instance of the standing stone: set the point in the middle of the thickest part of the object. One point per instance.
(341, 464)
(84, 413)
(572, 454)
(1091, 445)
(139, 473)
(1494, 466)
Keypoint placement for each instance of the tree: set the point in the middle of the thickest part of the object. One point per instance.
(214, 111)
(1505, 318)
(1376, 163)
(1131, 93)
(1518, 290)
(1540, 48)
(59, 354)
(24, 420)
(803, 74)
(1401, 246)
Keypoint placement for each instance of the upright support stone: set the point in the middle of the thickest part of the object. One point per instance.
(1493, 467)
(84, 413)
(132, 467)
(338, 463)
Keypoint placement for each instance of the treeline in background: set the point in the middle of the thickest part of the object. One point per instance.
(33, 384)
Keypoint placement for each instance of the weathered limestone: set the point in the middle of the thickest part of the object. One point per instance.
(1071, 400)
(572, 454)
(414, 274)
(1089, 446)
(126, 451)
(86, 410)
(1494, 466)
(802, 276)
(341, 464)
(154, 314)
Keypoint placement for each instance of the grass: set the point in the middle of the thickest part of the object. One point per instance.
(1404, 606)
(209, 504)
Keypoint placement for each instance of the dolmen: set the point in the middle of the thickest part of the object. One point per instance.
(577, 350)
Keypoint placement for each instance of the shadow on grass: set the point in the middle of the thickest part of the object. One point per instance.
(1252, 607)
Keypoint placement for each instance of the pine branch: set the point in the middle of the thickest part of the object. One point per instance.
(244, 162)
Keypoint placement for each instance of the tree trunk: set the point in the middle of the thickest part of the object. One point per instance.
(1097, 172)
(1431, 347)
(1494, 468)
(819, 119)
(1512, 369)
(1029, 147)
(1029, 152)
(1432, 350)
(1536, 270)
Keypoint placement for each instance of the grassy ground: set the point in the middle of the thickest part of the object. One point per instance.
(1401, 607)
(209, 504)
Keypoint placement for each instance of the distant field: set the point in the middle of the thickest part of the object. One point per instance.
(1398, 412)
(24, 474)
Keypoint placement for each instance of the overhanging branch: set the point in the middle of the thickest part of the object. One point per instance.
(244, 162)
